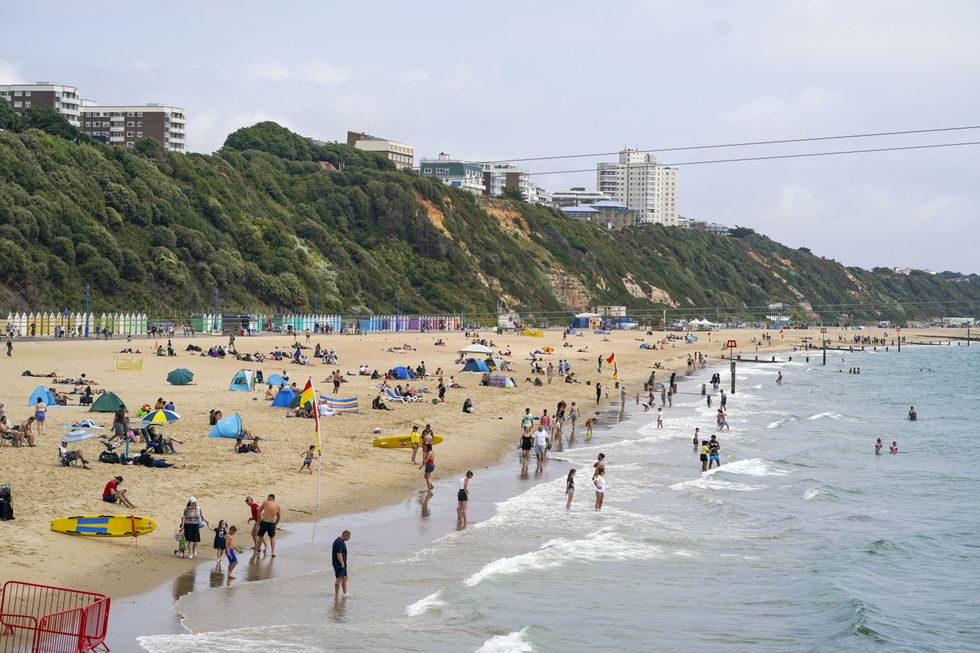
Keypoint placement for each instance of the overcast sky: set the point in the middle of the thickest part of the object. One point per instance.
(513, 79)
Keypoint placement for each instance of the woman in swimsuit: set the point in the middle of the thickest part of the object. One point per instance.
(429, 464)
(463, 497)
(570, 488)
(40, 412)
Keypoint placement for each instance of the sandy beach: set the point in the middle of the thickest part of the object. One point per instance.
(356, 476)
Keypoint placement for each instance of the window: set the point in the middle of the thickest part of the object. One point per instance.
(27, 93)
(139, 134)
(18, 93)
(129, 143)
(129, 114)
(139, 114)
(27, 104)
(139, 123)
(18, 103)
(427, 171)
(129, 134)
(130, 123)
(88, 123)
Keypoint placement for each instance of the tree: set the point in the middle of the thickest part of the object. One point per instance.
(741, 232)
(54, 123)
(8, 117)
(513, 194)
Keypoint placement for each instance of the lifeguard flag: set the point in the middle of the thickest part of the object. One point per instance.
(612, 361)
(309, 395)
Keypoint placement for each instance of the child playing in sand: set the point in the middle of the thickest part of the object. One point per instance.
(308, 457)
(230, 550)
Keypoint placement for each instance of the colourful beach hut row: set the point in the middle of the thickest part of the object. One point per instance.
(408, 323)
(72, 324)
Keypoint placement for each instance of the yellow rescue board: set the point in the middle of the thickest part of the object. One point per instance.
(104, 525)
(400, 441)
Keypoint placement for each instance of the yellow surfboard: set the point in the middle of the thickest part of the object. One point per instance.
(400, 441)
(104, 525)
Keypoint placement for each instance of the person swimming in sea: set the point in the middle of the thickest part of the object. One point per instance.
(878, 446)
(912, 414)
(893, 448)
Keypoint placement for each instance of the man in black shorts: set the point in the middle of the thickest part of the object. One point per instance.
(527, 443)
(338, 556)
(269, 515)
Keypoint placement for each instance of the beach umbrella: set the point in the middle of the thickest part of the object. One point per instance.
(180, 376)
(159, 417)
(476, 349)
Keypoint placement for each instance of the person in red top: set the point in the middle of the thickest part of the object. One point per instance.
(254, 521)
(114, 494)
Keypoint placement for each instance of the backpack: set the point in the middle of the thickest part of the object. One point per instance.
(109, 457)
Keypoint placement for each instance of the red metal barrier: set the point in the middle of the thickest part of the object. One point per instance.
(45, 619)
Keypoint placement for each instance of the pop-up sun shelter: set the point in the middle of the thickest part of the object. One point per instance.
(284, 399)
(107, 403)
(42, 393)
(227, 427)
(276, 379)
(403, 373)
(475, 365)
(476, 349)
(243, 381)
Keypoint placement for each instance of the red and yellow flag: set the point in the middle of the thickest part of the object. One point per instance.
(309, 396)
(612, 361)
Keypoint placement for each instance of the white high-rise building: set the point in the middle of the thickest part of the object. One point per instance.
(642, 184)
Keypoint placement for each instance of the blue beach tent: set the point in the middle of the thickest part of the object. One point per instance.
(403, 373)
(227, 427)
(243, 381)
(276, 379)
(284, 399)
(44, 394)
(475, 365)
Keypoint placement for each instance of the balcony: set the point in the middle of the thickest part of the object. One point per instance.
(119, 129)
(116, 139)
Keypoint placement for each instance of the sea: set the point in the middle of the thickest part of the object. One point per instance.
(802, 540)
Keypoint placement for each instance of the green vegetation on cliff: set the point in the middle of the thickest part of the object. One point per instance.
(269, 224)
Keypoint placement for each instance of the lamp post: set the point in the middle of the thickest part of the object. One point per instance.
(88, 288)
(731, 344)
(823, 336)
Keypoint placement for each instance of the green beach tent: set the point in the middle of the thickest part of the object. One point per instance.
(107, 403)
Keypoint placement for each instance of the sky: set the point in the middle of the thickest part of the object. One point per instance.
(514, 79)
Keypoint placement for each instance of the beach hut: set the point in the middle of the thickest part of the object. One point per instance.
(227, 427)
(475, 365)
(284, 399)
(243, 381)
(42, 393)
(107, 403)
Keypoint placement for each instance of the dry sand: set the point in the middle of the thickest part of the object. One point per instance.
(356, 476)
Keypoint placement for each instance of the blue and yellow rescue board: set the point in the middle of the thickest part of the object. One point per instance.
(104, 525)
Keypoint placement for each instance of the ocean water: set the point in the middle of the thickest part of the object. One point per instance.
(803, 540)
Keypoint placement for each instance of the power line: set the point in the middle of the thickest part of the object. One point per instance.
(783, 156)
(780, 141)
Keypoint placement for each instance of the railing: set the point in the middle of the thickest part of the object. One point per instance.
(36, 618)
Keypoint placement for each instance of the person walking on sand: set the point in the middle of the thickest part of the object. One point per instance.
(190, 524)
(429, 463)
(338, 556)
(598, 393)
(570, 488)
(269, 516)
(40, 414)
(254, 521)
(463, 498)
(10, 348)
(231, 551)
(308, 457)
(599, 480)
(527, 421)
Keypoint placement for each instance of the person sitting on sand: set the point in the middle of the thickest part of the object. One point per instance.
(112, 493)
(468, 405)
(71, 455)
(377, 404)
(271, 392)
(242, 447)
(25, 432)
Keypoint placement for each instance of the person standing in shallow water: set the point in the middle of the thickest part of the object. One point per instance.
(878, 446)
(570, 488)
(463, 498)
(339, 559)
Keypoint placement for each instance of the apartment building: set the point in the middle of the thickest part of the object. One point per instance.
(607, 214)
(124, 125)
(576, 196)
(645, 186)
(498, 177)
(453, 172)
(403, 156)
(43, 95)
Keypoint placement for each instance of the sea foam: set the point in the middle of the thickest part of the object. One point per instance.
(515, 642)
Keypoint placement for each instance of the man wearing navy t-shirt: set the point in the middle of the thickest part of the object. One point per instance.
(338, 556)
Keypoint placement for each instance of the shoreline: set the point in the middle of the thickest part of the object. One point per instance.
(478, 443)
